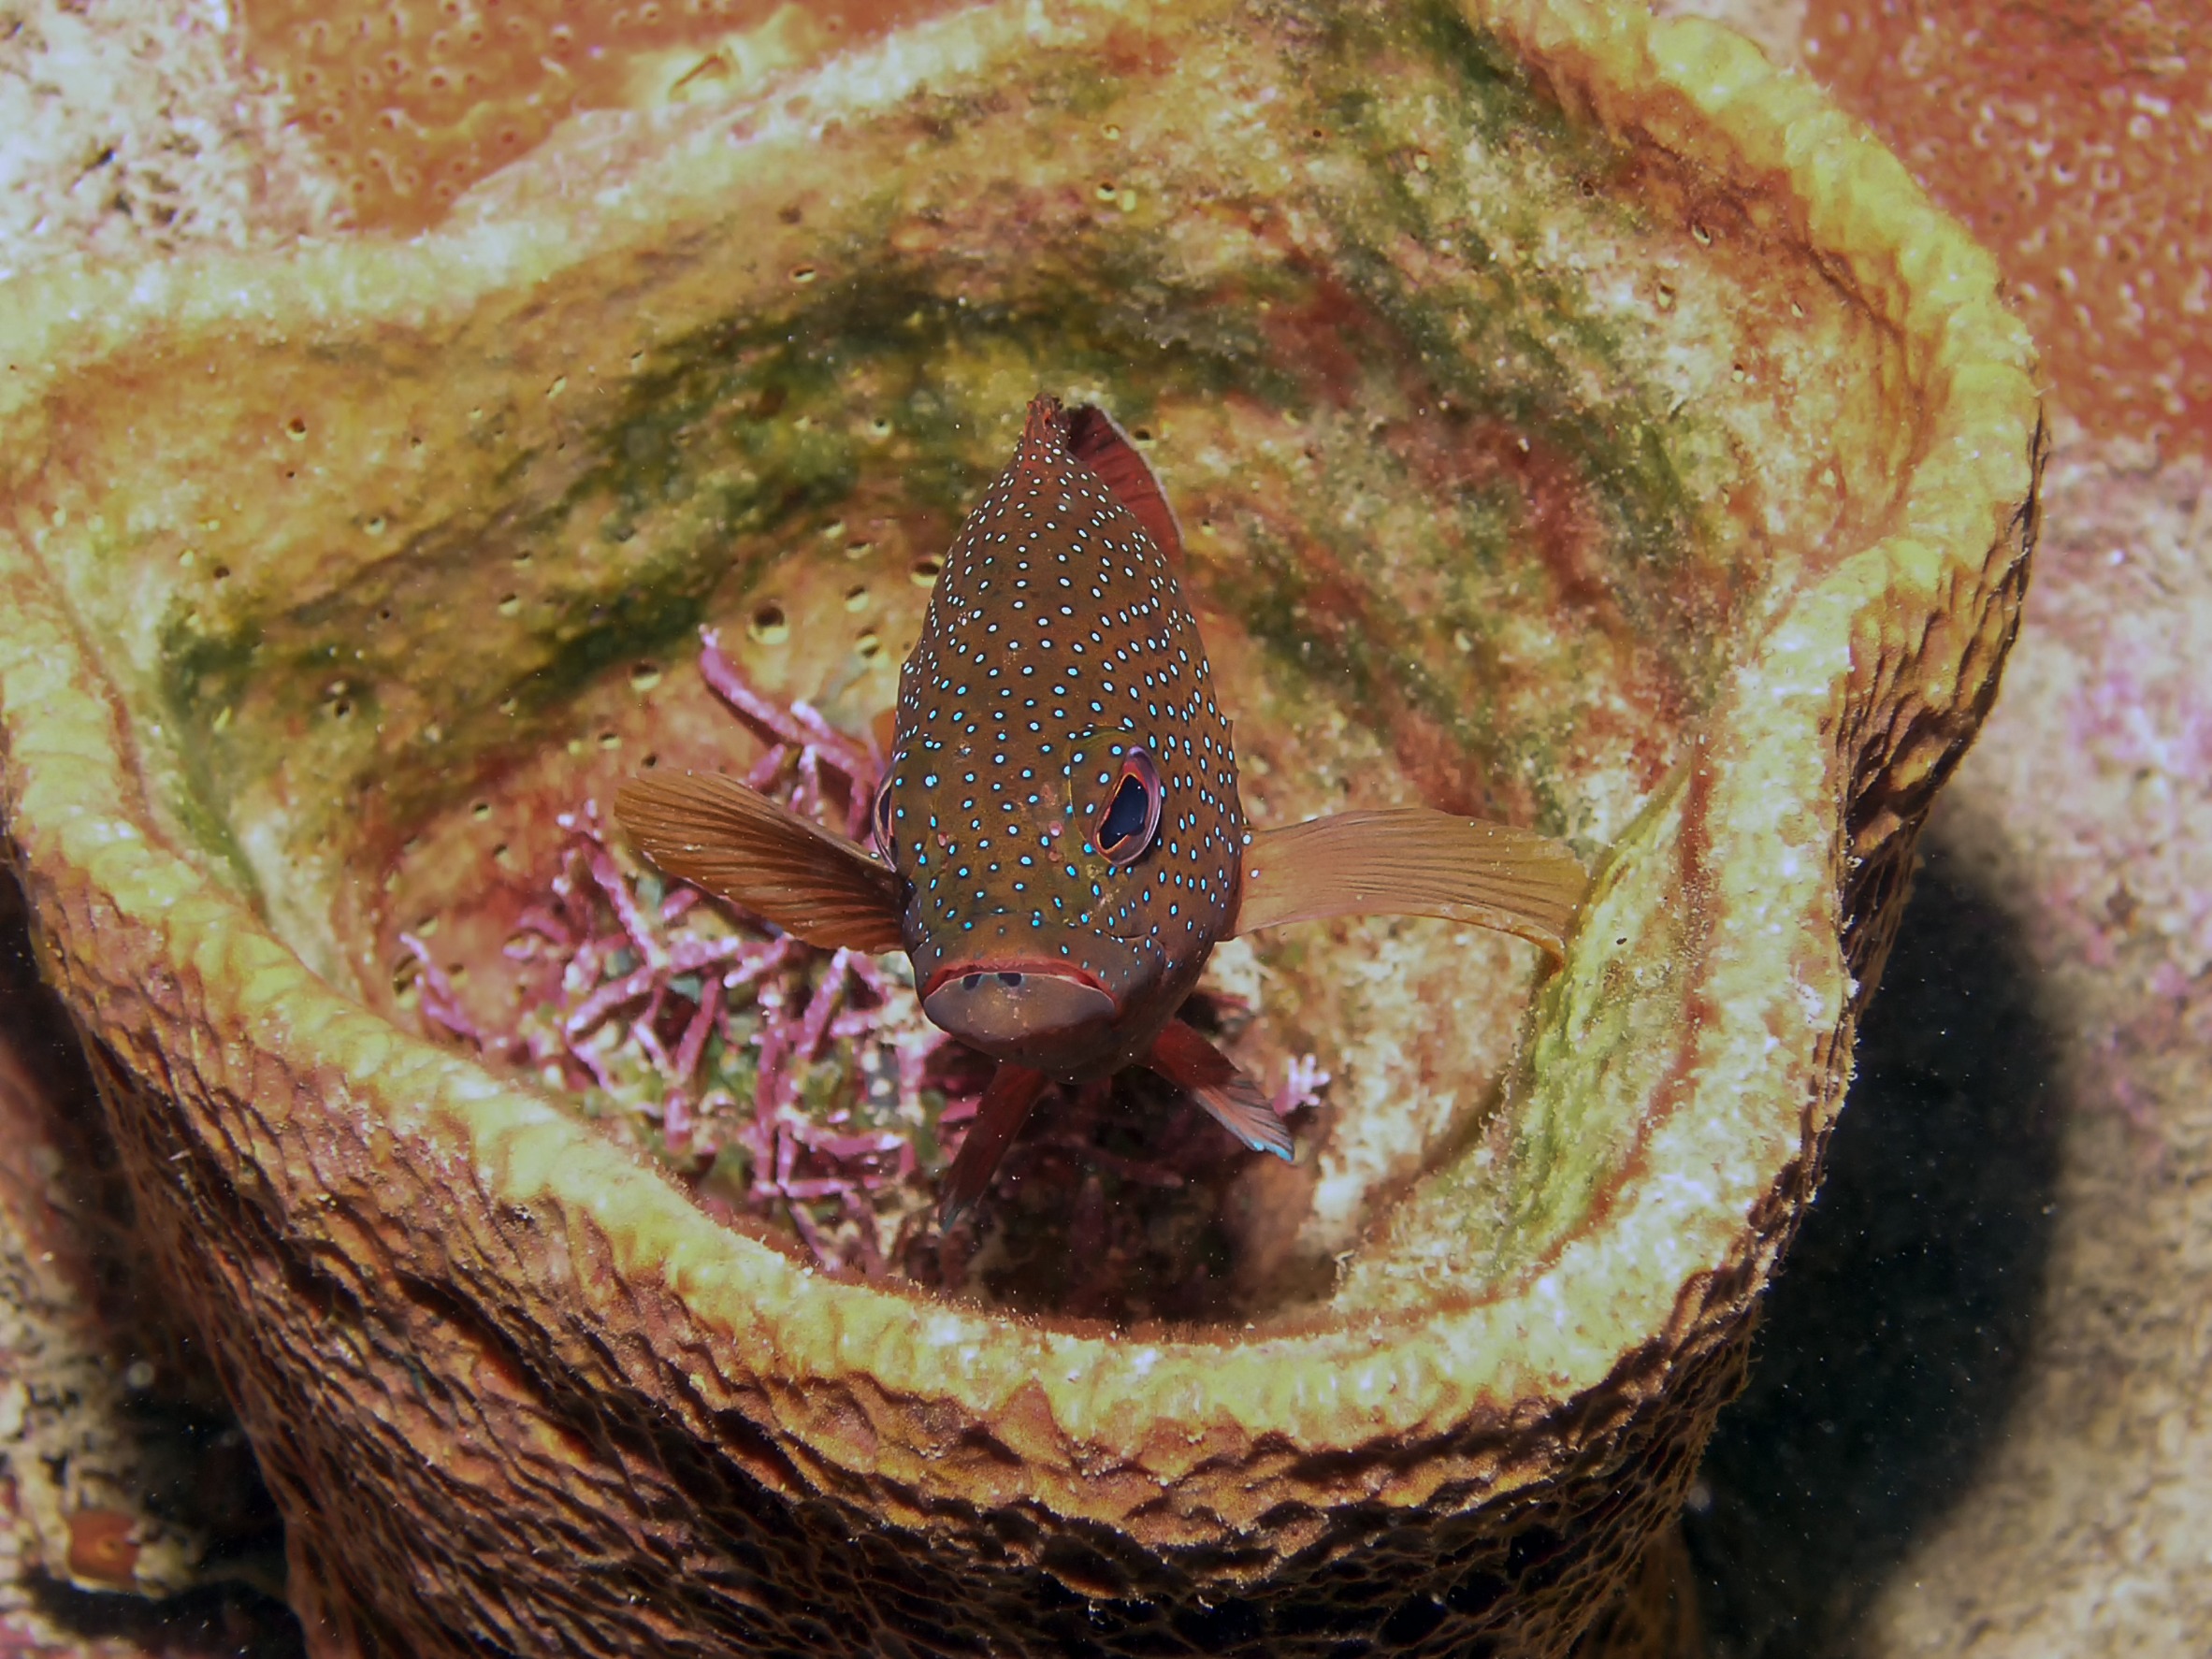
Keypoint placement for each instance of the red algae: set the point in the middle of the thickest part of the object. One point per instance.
(795, 1086)
(803, 1089)
(2074, 137)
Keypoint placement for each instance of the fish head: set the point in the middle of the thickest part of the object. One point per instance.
(1060, 797)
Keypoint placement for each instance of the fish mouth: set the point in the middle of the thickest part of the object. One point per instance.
(1010, 1007)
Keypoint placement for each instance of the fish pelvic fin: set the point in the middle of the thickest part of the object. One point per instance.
(1210, 1077)
(1413, 861)
(735, 841)
(1007, 1100)
(1097, 441)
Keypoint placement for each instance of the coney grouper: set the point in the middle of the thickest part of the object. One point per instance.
(1059, 843)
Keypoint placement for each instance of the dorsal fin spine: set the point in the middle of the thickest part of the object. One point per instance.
(1046, 425)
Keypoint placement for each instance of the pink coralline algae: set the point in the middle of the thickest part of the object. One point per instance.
(798, 1088)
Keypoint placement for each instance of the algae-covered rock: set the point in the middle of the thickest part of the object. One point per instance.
(1570, 420)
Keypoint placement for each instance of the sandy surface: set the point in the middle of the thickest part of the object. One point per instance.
(1980, 1421)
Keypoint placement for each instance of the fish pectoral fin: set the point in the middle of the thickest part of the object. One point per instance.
(999, 1116)
(1095, 440)
(1413, 861)
(1210, 1077)
(735, 841)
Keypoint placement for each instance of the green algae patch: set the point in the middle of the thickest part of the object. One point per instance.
(1537, 386)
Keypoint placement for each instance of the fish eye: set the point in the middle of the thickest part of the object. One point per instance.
(1130, 821)
(881, 814)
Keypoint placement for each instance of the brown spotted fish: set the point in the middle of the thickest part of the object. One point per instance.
(1061, 843)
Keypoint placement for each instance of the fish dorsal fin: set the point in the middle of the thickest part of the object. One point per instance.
(1044, 428)
(1184, 1057)
(1413, 861)
(1094, 439)
(737, 843)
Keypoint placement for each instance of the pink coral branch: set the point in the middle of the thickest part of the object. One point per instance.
(786, 1156)
(625, 905)
(689, 956)
(762, 961)
(1301, 1085)
(919, 1052)
(833, 745)
(677, 1121)
(536, 918)
(693, 1043)
(439, 1001)
(768, 768)
(585, 821)
(588, 1059)
(823, 1004)
(860, 814)
(843, 1148)
(812, 1235)
(722, 676)
(771, 1087)
(568, 891)
(806, 795)
(609, 997)
(642, 1032)
(826, 1187)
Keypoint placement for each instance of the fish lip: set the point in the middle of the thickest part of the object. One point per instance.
(1049, 1018)
(1057, 970)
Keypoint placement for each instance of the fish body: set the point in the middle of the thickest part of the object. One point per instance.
(1060, 798)
(1061, 843)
